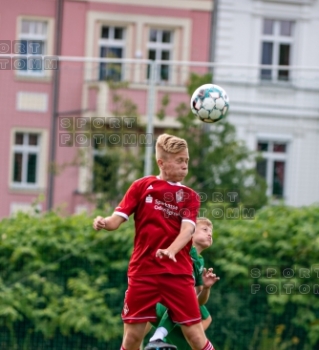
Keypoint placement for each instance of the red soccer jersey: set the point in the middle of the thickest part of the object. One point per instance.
(159, 208)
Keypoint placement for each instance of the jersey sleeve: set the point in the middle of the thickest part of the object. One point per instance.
(190, 210)
(204, 312)
(197, 270)
(197, 274)
(129, 202)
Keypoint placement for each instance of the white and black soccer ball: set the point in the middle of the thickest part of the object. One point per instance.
(210, 103)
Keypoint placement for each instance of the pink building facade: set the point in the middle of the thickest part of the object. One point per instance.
(133, 31)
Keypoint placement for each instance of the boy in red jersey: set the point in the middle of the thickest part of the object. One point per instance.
(160, 268)
(203, 280)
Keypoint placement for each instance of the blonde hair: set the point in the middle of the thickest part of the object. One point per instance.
(203, 220)
(169, 144)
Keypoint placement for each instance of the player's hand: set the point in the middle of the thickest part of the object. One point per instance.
(98, 223)
(209, 278)
(165, 253)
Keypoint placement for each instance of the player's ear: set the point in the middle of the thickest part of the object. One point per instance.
(160, 163)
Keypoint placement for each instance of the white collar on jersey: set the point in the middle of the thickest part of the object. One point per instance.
(171, 183)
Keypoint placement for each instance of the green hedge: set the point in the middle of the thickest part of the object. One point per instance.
(280, 241)
(62, 284)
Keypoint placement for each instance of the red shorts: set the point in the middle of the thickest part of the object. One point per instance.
(176, 292)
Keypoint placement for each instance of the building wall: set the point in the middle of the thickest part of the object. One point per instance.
(26, 101)
(274, 110)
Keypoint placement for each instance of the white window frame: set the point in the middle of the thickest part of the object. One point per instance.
(42, 160)
(276, 39)
(137, 29)
(27, 149)
(112, 42)
(32, 35)
(270, 158)
(158, 47)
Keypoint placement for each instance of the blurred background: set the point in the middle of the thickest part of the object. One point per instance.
(86, 87)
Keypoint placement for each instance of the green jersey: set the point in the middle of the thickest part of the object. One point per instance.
(198, 265)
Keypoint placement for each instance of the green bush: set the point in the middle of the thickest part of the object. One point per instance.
(61, 280)
(278, 240)
(62, 284)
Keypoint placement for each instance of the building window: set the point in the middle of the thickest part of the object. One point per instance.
(160, 47)
(112, 43)
(272, 166)
(32, 42)
(26, 151)
(102, 165)
(277, 40)
(102, 173)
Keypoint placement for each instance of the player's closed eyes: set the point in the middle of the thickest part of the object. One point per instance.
(182, 161)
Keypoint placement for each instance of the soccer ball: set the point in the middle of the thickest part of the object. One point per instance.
(210, 103)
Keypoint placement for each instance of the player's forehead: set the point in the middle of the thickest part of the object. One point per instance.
(203, 225)
(180, 155)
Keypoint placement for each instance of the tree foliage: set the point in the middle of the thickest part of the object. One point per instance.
(62, 284)
(219, 162)
(267, 297)
(116, 163)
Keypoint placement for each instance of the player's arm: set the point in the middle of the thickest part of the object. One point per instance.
(209, 279)
(198, 289)
(207, 322)
(203, 296)
(122, 211)
(187, 228)
(109, 223)
(185, 235)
